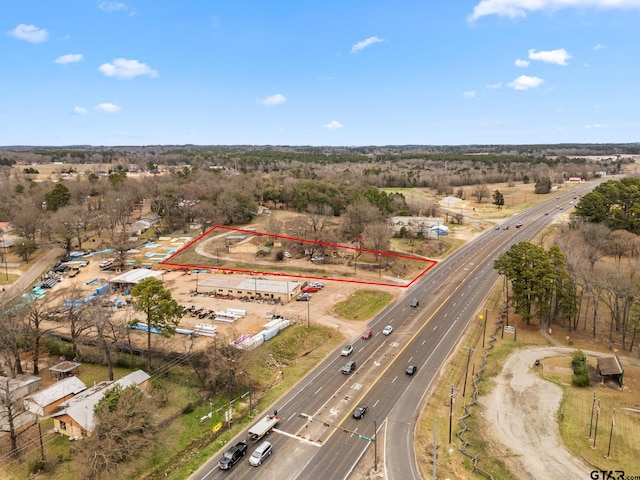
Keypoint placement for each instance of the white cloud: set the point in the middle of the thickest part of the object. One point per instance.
(80, 110)
(365, 43)
(272, 100)
(520, 8)
(599, 46)
(108, 108)
(332, 125)
(69, 58)
(524, 82)
(469, 94)
(30, 33)
(596, 125)
(112, 6)
(123, 68)
(494, 85)
(521, 63)
(559, 56)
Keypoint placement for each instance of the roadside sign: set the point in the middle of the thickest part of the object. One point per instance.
(216, 427)
(509, 329)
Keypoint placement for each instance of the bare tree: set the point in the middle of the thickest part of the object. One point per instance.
(480, 192)
(35, 315)
(223, 367)
(109, 333)
(11, 332)
(376, 236)
(358, 215)
(11, 408)
(28, 220)
(76, 314)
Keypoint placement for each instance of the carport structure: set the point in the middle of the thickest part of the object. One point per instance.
(610, 367)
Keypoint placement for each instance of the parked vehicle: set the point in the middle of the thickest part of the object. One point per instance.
(305, 297)
(232, 456)
(263, 427)
(260, 454)
(286, 255)
(310, 289)
(387, 330)
(346, 350)
(367, 335)
(360, 411)
(348, 367)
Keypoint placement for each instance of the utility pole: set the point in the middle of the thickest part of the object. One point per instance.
(375, 445)
(466, 370)
(435, 447)
(308, 312)
(451, 401)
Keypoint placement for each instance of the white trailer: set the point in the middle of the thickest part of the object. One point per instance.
(263, 427)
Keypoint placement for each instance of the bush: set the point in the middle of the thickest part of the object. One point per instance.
(57, 348)
(580, 369)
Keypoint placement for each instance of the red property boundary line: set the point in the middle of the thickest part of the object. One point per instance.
(167, 262)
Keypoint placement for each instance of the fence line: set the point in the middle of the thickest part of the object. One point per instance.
(474, 397)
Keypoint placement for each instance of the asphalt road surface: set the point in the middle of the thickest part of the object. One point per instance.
(317, 437)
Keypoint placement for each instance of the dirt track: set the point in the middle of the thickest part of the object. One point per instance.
(522, 410)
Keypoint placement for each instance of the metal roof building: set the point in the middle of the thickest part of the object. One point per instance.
(250, 287)
(133, 277)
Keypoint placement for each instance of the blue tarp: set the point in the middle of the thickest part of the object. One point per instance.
(143, 327)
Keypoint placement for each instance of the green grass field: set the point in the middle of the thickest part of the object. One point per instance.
(363, 304)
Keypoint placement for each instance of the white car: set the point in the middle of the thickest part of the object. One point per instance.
(387, 330)
(286, 254)
(346, 350)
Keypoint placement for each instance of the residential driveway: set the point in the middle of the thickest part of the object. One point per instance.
(33, 274)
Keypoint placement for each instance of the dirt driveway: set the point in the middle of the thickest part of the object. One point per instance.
(529, 434)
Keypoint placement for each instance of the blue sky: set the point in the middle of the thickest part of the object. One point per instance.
(332, 72)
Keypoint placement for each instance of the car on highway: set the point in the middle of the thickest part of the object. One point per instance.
(367, 335)
(497, 227)
(506, 227)
(348, 368)
(519, 224)
(360, 411)
(411, 369)
(387, 330)
(260, 454)
(346, 350)
(415, 302)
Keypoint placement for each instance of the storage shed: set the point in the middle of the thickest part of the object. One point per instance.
(610, 367)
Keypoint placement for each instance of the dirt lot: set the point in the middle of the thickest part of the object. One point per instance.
(530, 432)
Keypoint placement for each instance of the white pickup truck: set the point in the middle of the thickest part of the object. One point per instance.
(106, 263)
